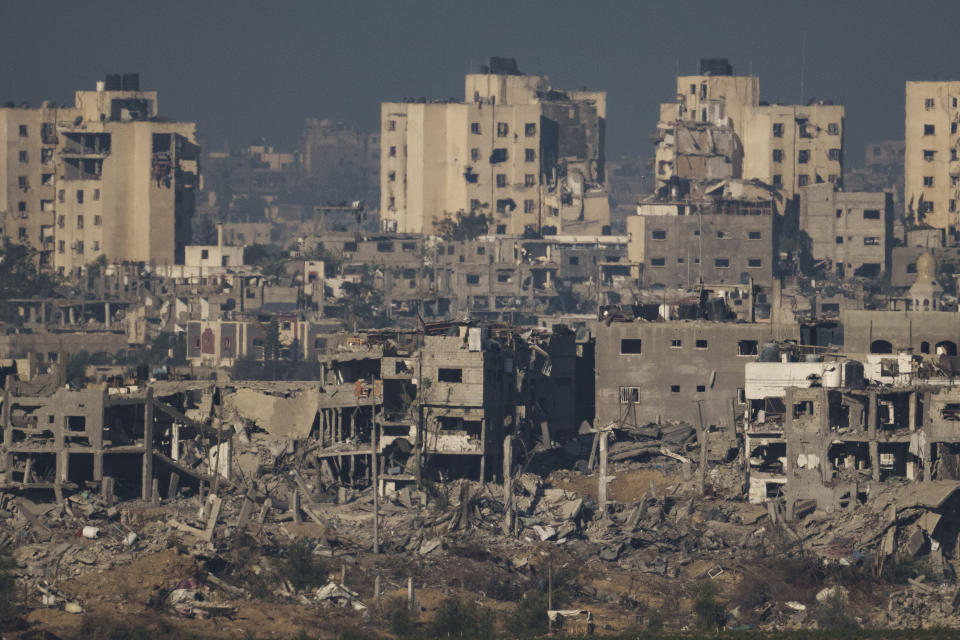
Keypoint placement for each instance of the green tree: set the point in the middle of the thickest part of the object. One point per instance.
(271, 341)
(460, 618)
(20, 274)
(271, 261)
(463, 226)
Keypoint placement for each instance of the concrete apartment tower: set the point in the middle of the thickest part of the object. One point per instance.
(526, 154)
(104, 177)
(931, 162)
(787, 146)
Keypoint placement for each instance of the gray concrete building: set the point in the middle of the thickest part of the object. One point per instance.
(661, 371)
(851, 232)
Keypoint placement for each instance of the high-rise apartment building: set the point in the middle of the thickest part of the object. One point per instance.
(787, 146)
(932, 163)
(529, 156)
(104, 177)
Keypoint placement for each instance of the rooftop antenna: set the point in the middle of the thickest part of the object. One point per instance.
(803, 66)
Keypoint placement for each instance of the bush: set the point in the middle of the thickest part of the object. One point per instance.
(303, 570)
(9, 611)
(709, 613)
(529, 618)
(460, 618)
(396, 611)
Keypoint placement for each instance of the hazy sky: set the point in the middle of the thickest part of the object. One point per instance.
(244, 70)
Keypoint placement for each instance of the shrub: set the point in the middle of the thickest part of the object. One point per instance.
(303, 570)
(9, 611)
(460, 618)
(709, 613)
(529, 618)
(396, 611)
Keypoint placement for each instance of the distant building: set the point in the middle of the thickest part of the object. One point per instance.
(882, 169)
(105, 177)
(788, 146)
(932, 164)
(852, 232)
(518, 150)
(339, 162)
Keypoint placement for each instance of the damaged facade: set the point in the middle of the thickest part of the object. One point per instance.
(527, 155)
(104, 177)
(738, 136)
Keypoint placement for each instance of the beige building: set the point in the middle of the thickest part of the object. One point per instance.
(788, 146)
(110, 178)
(529, 156)
(28, 141)
(932, 165)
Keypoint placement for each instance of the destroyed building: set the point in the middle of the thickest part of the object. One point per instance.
(786, 146)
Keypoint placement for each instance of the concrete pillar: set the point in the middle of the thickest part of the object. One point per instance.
(175, 441)
(913, 410)
(602, 488)
(411, 595)
(875, 459)
(507, 484)
(7, 429)
(483, 450)
(146, 479)
(927, 461)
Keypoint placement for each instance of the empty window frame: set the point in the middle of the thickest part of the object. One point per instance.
(449, 374)
(631, 346)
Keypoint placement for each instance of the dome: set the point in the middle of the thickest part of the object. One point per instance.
(926, 267)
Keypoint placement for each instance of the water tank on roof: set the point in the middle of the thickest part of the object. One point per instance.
(113, 82)
(131, 82)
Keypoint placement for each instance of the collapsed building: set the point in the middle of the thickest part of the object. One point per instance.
(441, 400)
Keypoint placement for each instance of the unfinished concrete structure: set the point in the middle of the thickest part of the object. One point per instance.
(122, 442)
